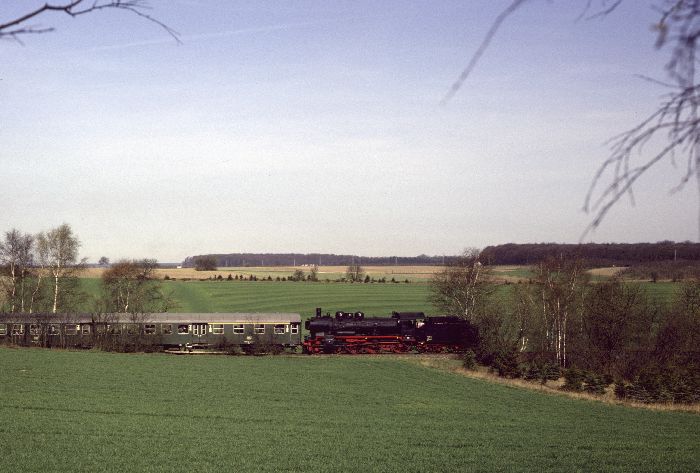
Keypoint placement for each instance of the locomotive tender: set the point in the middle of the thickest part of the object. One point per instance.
(403, 332)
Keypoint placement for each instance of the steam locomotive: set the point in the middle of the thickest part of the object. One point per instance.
(403, 332)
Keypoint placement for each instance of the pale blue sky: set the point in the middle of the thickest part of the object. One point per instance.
(316, 127)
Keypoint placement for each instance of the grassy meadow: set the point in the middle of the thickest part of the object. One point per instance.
(92, 411)
(304, 297)
(272, 296)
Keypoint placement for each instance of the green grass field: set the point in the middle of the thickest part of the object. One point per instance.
(298, 297)
(224, 296)
(92, 411)
(304, 297)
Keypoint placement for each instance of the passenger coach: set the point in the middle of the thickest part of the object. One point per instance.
(169, 330)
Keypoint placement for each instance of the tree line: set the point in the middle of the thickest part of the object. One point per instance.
(39, 274)
(595, 254)
(595, 334)
(308, 259)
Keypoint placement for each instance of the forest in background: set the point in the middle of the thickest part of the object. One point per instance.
(595, 254)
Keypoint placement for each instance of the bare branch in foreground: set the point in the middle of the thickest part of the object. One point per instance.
(18, 27)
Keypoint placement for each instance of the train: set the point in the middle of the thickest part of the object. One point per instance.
(344, 333)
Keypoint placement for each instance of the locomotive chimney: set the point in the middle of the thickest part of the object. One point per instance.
(318, 312)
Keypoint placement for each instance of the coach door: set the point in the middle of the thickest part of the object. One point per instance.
(199, 330)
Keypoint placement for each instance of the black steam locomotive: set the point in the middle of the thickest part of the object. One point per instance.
(403, 332)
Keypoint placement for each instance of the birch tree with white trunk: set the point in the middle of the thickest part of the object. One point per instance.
(58, 253)
(560, 286)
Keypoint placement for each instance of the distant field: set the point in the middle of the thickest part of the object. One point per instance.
(400, 273)
(415, 274)
(66, 411)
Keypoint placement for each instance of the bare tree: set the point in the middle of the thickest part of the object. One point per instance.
(20, 26)
(58, 251)
(462, 288)
(355, 273)
(16, 257)
(205, 263)
(675, 122)
(313, 274)
(129, 286)
(617, 325)
(559, 291)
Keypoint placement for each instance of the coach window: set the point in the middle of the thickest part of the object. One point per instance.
(17, 329)
(85, 329)
(114, 329)
(238, 328)
(34, 329)
(217, 328)
(279, 328)
(71, 329)
(295, 328)
(149, 329)
(53, 329)
(183, 329)
(259, 328)
(167, 329)
(3, 329)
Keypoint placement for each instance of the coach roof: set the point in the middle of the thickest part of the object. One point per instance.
(226, 318)
(163, 317)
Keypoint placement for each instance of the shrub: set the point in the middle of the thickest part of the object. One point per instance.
(573, 379)
(550, 372)
(660, 386)
(469, 360)
(594, 384)
(506, 364)
(541, 371)
(585, 381)
(532, 372)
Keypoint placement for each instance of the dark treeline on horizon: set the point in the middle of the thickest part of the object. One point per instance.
(300, 259)
(621, 254)
(602, 254)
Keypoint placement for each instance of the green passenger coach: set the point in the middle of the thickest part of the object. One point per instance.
(241, 329)
(247, 331)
